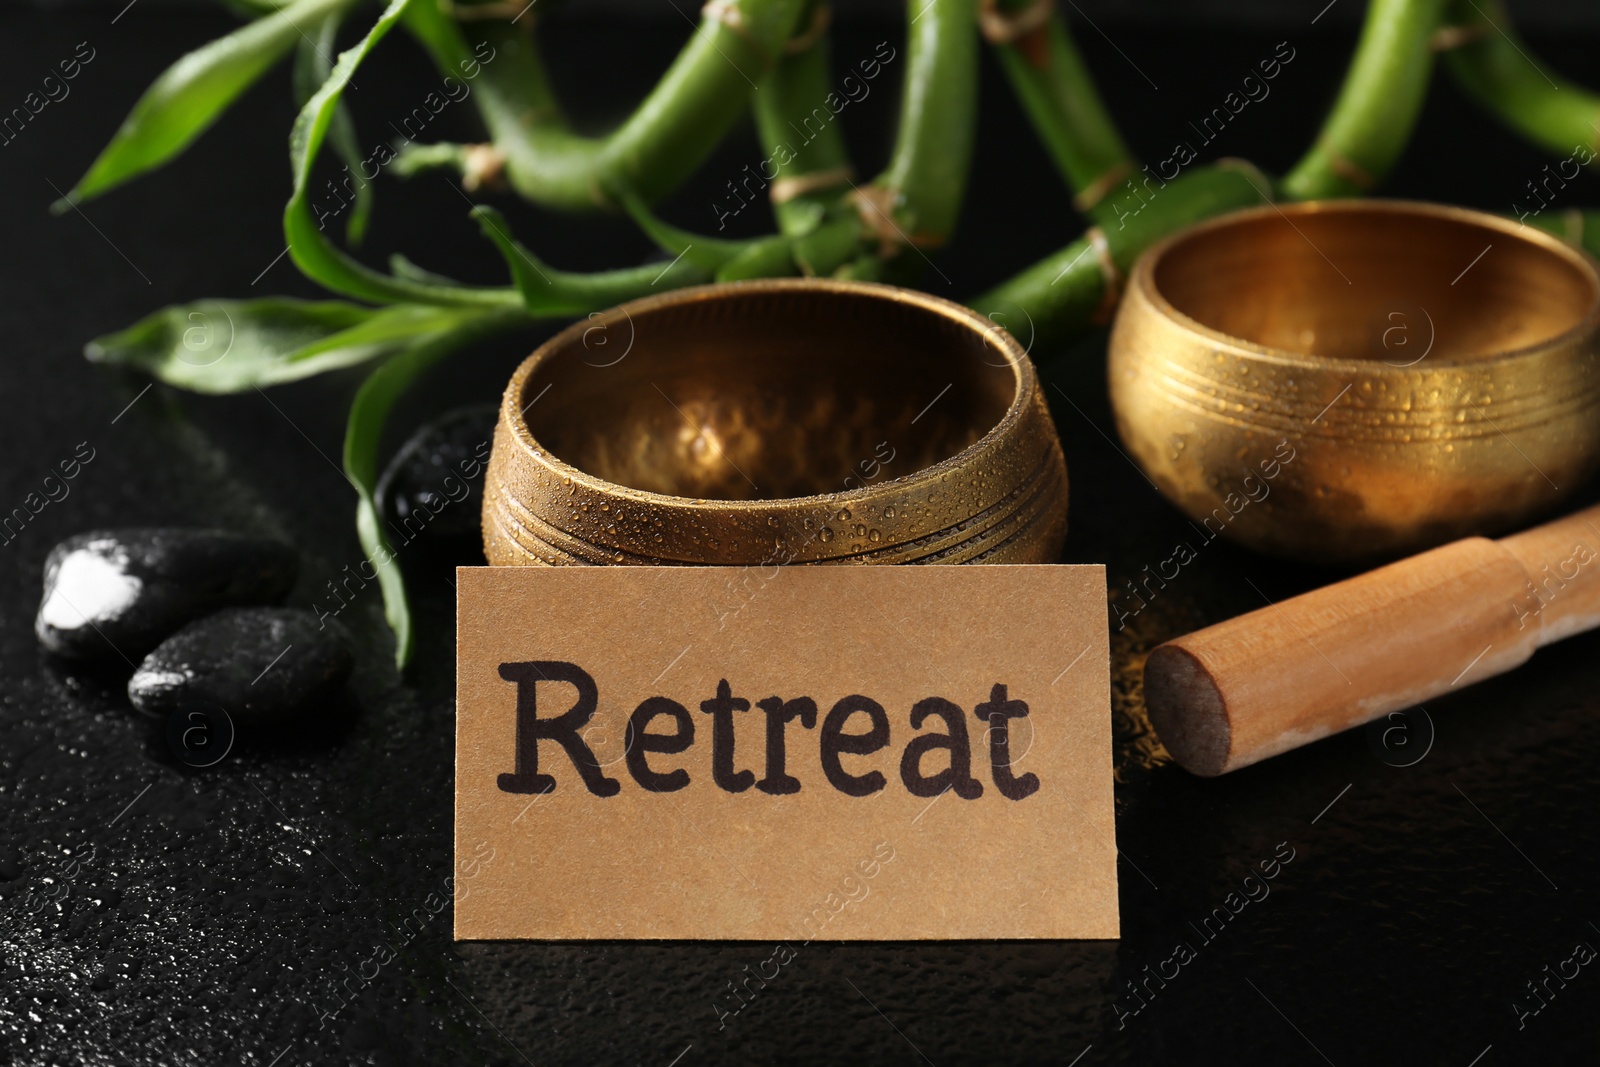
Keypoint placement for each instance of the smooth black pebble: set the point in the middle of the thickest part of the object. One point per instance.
(429, 491)
(124, 591)
(260, 665)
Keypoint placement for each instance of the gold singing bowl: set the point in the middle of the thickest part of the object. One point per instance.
(771, 422)
(1345, 380)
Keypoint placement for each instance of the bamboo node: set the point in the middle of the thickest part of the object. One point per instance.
(729, 15)
(875, 205)
(482, 166)
(1346, 168)
(1448, 38)
(787, 188)
(726, 12)
(1101, 187)
(1110, 274)
(1572, 222)
(821, 18)
(1007, 27)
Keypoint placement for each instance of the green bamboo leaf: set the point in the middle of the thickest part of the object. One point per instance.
(255, 8)
(529, 274)
(551, 293)
(225, 346)
(316, 256)
(364, 431)
(190, 95)
(401, 267)
(709, 253)
(313, 62)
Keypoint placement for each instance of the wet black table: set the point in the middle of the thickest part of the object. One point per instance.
(151, 913)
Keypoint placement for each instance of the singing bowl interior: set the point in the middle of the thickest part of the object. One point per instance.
(767, 393)
(1416, 373)
(1332, 280)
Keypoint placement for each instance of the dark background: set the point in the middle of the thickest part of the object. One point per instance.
(1218, 14)
(154, 914)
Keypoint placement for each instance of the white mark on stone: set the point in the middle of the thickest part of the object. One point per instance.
(88, 586)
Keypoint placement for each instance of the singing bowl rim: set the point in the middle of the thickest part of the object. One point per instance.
(1588, 325)
(1024, 381)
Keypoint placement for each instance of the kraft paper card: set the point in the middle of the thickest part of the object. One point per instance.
(783, 753)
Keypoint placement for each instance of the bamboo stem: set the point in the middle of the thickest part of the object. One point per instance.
(665, 139)
(1378, 104)
(699, 98)
(799, 131)
(1492, 66)
(917, 198)
(545, 161)
(1078, 286)
(1060, 99)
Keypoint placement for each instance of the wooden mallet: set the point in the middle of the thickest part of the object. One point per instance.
(1296, 671)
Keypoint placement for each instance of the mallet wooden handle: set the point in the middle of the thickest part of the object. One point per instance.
(1226, 696)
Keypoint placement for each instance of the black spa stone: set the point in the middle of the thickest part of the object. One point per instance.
(262, 666)
(429, 493)
(112, 594)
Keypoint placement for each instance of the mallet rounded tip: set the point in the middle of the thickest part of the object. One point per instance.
(1187, 709)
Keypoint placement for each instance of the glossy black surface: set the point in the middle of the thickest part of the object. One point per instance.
(152, 913)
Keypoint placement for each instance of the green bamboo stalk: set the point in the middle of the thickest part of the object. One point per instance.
(1067, 292)
(698, 99)
(1372, 119)
(1492, 66)
(918, 196)
(796, 121)
(665, 139)
(545, 161)
(1060, 99)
